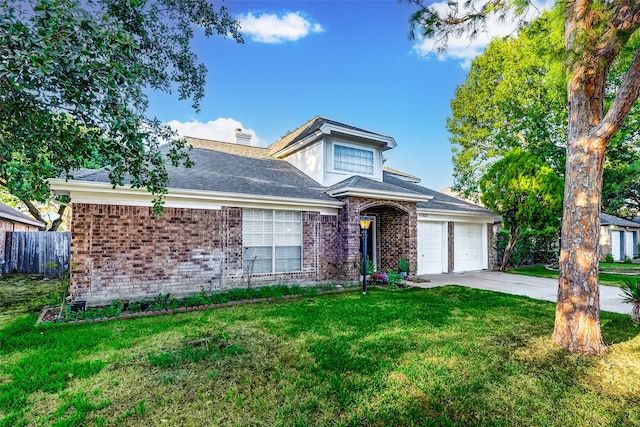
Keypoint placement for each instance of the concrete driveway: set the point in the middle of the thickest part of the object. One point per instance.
(535, 287)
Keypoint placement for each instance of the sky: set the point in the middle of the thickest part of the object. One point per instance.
(348, 61)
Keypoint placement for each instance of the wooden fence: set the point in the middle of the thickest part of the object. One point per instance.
(32, 251)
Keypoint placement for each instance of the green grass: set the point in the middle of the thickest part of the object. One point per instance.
(28, 294)
(608, 279)
(619, 266)
(449, 356)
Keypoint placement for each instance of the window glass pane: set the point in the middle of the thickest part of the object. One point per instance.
(352, 159)
(288, 258)
(257, 227)
(260, 257)
(266, 231)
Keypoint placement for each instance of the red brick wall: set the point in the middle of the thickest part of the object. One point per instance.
(396, 234)
(125, 252)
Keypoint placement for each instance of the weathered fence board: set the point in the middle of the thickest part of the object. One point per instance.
(31, 251)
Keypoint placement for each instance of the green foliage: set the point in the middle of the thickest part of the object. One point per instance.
(608, 258)
(630, 289)
(72, 87)
(208, 348)
(627, 260)
(515, 96)
(532, 247)
(403, 265)
(524, 191)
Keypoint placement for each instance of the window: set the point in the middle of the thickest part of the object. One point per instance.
(352, 159)
(272, 241)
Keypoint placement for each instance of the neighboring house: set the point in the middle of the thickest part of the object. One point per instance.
(13, 220)
(287, 213)
(618, 237)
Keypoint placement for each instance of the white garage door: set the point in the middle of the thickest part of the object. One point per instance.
(432, 247)
(468, 252)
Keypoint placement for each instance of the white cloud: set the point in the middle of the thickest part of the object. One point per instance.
(463, 49)
(271, 28)
(222, 129)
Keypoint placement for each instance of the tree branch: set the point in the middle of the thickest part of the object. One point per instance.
(626, 96)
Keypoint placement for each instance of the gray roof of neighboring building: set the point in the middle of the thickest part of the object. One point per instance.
(439, 201)
(233, 173)
(606, 219)
(14, 215)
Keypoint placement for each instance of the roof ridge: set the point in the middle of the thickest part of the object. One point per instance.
(286, 139)
(228, 147)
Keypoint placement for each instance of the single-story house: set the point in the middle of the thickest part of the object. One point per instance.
(14, 220)
(287, 213)
(618, 237)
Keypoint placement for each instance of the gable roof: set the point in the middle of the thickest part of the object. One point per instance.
(438, 200)
(606, 219)
(320, 125)
(365, 187)
(13, 215)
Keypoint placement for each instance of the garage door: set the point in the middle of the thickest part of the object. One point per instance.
(432, 247)
(468, 252)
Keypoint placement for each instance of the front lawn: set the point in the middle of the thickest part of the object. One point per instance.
(449, 356)
(608, 279)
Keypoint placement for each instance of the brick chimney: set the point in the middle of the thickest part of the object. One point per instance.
(242, 137)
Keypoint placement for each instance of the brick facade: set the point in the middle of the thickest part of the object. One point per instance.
(396, 233)
(125, 252)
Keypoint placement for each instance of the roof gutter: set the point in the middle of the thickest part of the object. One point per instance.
(104, 193)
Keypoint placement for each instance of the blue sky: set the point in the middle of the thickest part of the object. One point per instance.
(349, 61)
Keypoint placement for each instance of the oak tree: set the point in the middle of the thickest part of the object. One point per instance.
(74, 77)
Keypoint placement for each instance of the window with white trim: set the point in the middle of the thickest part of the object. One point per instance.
(272, 241)
(351, 159)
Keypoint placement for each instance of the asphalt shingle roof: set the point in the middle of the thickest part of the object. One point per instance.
(369, 184)
(309, 128)
(220, 171)
(17, 216)
(233, 173)
(440, 201)
(606, 219)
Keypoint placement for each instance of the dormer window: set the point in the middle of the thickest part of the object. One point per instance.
(351, 159)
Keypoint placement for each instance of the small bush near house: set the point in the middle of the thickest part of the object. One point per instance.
(532, 248)
(608, 258)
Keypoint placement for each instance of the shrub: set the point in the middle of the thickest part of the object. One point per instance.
(631, 294)
(533, 247)
(403, 265)
(608, 258)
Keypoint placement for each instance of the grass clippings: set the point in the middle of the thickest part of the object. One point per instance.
(447, 356)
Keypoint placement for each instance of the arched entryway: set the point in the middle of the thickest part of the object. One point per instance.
(392, 234)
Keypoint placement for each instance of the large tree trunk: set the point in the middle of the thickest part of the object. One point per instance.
(577, 324)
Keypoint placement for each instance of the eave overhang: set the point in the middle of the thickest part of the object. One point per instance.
(386, 142)
(104, 193)
(377, 194)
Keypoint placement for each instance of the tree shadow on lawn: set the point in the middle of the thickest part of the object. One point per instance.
(448, 356)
